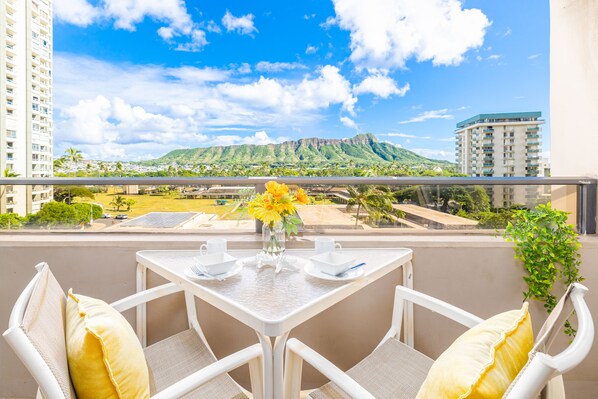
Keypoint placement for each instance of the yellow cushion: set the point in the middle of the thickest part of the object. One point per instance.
(104, 355)
(482, 363)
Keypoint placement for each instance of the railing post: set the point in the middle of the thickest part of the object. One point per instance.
(260, 188)
(587, 196)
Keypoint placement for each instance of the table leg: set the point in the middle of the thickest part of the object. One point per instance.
(273, 364)
(268, 373)
(278, 364)
(141, 311)
(408, 311)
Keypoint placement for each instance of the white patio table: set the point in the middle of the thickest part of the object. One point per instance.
(272, 304)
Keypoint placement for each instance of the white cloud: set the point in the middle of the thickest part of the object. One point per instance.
(198, 41)
(427, 115)
(76, 12)
(348, 122)
(329, 88)
(533, 56)
(386, 33)
(266, 66)
(435, 154)
(309, 16)
(244, 68)
(199, 75)
(212, 26)
(494, 57)
(508, 32)
(407, 136)
(381, 85)
(122, 105)
(259, 138)
(178, 26)
(403, 135)
(311, 49)
(243, 25)
(330, 22)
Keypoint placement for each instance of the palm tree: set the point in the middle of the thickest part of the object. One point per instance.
(377, 201)
(118, 201)
(73, 155)
(59, 163)
(129, 204)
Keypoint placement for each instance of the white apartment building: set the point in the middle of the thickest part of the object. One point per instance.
(502, 145)
(25, 101)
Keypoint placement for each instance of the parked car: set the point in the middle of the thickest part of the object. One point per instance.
(122, 216)
(106, 216)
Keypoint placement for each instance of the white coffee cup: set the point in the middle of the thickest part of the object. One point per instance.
(213, 246)
(326, 244)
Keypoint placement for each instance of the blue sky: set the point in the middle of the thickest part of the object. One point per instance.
(135, 79)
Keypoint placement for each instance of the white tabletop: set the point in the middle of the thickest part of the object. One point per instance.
(270, 303)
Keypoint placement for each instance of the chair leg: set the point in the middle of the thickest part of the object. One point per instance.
(292, 378)
(256, 375)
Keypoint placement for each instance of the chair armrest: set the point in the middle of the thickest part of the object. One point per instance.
(298, 351)
(210, 372)
(145, 296)
(435, 305)
(584, 338)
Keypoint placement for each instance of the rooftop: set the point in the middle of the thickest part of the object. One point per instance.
(500, 117)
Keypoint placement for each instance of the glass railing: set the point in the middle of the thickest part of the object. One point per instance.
(340, 204)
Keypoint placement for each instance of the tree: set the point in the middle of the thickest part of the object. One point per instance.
(73, 156)
(118, 202)
(11, 221)
(129, 204)
(66, 194)
(59, 214)
(118, 168)
(377, 201)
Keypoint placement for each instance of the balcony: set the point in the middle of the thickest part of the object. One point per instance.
(443, 266)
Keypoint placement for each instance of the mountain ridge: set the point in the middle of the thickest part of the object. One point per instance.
(361, 149)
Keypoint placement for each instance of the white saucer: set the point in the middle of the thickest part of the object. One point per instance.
(193, 276)
(348, 276)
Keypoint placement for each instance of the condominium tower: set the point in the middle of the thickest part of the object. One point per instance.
(25, 101)
(505, 145)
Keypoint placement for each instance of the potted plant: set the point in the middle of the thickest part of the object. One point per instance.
(548, 247)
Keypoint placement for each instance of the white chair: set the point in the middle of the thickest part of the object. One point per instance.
(395, 370)
(181, 365)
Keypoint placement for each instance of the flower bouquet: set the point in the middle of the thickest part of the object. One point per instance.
(276, 209)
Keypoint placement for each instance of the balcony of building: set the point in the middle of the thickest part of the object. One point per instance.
(476, 273)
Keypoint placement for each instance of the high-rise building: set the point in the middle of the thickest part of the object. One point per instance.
(25, 101)
(501, 145)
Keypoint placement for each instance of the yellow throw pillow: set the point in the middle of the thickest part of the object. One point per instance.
(482, 363)
(104, 355)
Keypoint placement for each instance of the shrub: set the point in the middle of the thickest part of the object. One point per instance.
(11, 221)
(61, 214)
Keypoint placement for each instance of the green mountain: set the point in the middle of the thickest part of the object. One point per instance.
(361, 149)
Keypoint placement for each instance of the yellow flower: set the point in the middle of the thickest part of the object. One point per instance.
(262, 208)
(277, 190)
(302, 197)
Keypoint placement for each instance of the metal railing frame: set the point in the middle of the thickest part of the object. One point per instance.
(587, 193)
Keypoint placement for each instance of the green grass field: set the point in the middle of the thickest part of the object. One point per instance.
(168, 203)
(172, 203)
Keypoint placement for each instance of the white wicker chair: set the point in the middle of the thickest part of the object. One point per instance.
(396, 370)
(181, 365)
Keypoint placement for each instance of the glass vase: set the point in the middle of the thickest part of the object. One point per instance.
(273, 238)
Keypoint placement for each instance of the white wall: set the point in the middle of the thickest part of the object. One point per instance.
(574, 87)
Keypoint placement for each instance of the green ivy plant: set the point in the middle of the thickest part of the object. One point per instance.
(549, 248)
